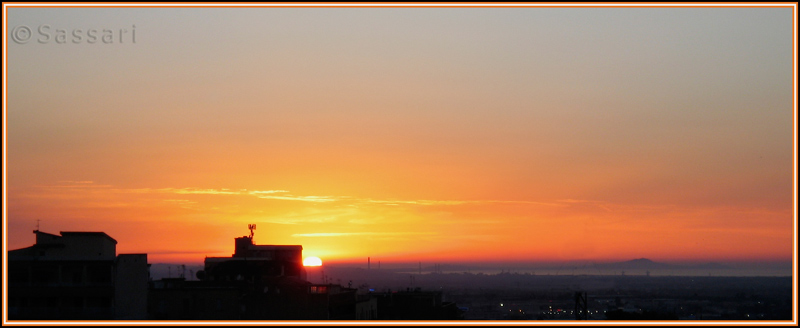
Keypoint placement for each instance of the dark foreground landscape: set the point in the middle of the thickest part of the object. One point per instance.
(527, 296)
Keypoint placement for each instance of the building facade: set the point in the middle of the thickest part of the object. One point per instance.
(76, 275)
(257, 282)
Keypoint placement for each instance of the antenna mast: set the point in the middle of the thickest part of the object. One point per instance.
(252, 228)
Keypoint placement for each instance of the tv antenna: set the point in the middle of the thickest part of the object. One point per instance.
(252, 227)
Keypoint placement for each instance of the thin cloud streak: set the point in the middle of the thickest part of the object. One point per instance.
(316, 199)
(257, 192)
(285, 195)
(347, 234)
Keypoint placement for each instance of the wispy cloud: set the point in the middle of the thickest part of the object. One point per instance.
(413, 202)
(180, 201)
(312, 215)
(75, 182)
(263, 194)
(430, 202)
(186, 191)
(298, 220)
(258, 192)
(601, 204)
(316, 199)
(286, 195)
(348, 234)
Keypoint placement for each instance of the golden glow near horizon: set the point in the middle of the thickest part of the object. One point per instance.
(312, 261)
(409, 134)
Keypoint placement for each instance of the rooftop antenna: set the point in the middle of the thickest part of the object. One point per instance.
(252, 227)
(37, 224)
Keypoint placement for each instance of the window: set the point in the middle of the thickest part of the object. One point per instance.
(318, 289)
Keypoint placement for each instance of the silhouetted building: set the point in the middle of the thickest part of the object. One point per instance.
(76, 275)
(416, 305)
(258, 282)
(178, 299)
(253, 262)
(366, 307)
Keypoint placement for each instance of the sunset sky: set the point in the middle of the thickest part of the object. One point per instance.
(405, 134)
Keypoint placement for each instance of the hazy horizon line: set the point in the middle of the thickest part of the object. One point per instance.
(393, 263)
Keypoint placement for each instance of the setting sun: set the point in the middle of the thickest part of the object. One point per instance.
(312, 261)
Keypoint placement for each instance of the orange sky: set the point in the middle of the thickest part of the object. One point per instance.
(520, 134)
